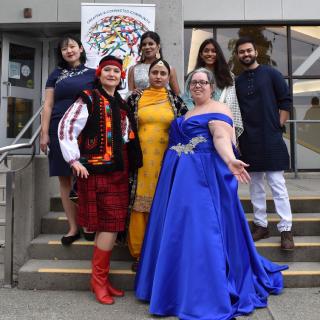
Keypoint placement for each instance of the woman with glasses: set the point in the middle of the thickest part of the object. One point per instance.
(198, 259)
(210, 56)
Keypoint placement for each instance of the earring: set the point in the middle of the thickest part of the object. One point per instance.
(142, 57)
(158, 56)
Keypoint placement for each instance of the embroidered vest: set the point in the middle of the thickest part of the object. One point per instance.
(101, 142)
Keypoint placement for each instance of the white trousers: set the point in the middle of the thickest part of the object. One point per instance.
(276, 182)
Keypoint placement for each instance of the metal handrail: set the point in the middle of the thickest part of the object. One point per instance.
(295, 152)
(30, 144)
(303, 121)
(10, 185)
(21, 133)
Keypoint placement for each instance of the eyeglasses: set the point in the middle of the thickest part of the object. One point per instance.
(201, 83)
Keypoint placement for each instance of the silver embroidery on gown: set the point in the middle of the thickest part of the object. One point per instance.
(188, 148)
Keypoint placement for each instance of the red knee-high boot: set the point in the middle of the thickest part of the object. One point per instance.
(113, 291)
(99, 277)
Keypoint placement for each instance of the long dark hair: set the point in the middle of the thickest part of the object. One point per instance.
(155, 37)
(64, 41)
(221, 69)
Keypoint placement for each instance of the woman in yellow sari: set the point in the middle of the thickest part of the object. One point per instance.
(154, 108)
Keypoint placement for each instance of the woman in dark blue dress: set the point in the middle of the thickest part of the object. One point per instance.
(62, 87)
(198, 259)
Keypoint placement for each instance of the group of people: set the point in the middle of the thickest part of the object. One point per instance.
(194, 254)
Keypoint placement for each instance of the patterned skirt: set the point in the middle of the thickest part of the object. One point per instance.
(104, 199)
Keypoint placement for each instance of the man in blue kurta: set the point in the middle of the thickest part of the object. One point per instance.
(264, 101)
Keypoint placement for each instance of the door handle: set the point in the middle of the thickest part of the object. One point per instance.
(9, 86)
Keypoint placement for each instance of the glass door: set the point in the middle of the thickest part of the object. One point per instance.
(20, 85)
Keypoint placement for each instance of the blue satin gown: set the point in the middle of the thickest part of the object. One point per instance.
(198, 259)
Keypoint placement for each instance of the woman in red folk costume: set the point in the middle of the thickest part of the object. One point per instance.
(98, 139)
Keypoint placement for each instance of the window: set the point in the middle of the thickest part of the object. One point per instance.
(297, 58)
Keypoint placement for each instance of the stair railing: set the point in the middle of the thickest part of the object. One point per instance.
(295, 141)
(10, 186)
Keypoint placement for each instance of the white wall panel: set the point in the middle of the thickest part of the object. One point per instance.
(42, 11)
(301, 10)
(70, 10)
(213, 10)
(263, 10)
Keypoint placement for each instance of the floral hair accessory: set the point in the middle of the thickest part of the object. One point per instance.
(160, 63)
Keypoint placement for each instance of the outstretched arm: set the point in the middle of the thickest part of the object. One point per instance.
(222, 138)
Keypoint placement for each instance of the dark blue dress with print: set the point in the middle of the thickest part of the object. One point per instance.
(67, 83)
(198, 259)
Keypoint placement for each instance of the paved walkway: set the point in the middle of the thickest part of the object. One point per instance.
(293, 304)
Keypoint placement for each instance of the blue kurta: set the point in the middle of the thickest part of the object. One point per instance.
(262, 93)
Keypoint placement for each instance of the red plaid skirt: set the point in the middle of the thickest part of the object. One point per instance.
(104, 199)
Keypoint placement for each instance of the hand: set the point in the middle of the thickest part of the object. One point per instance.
(237, 167)
(137, 91)
(79, 170)
(44, 141)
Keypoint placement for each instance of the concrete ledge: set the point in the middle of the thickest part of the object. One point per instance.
(75, 274)
(299, 204)
(303, 223)
(48, 246)
(70, 275)
(307, 249)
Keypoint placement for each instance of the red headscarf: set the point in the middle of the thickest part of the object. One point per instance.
(110, 62)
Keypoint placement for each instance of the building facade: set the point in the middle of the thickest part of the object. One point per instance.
(287, 34)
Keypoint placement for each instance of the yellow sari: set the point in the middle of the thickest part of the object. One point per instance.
(155, 115)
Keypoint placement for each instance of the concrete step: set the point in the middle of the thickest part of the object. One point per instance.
(304, 224)
(299, 204)
(307, 249)
(54, 222)
(48, 246)
(70, 275)
(75, 274)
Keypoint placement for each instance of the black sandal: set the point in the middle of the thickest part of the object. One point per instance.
(89, 236)
(68, 240)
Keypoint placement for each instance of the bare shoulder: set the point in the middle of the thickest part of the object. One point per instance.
(219, 107)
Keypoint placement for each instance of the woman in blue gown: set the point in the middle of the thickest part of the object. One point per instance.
(198, 259)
